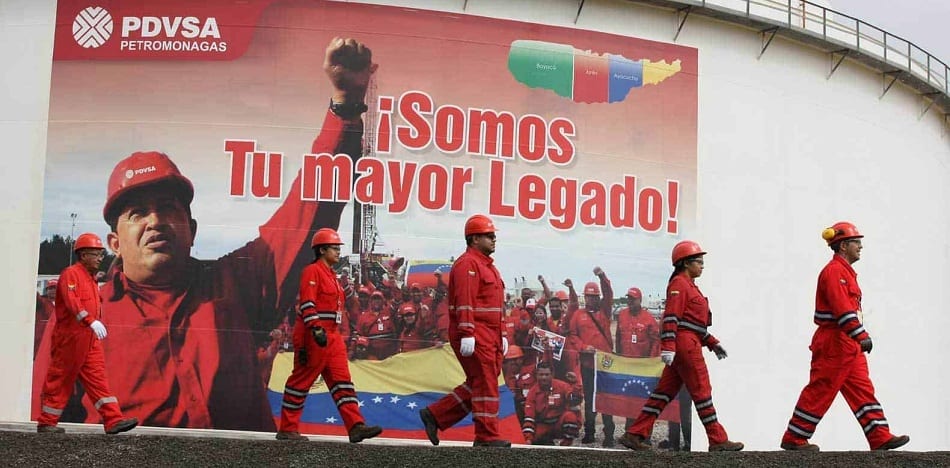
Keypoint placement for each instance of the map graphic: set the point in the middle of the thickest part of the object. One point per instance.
(583, 76)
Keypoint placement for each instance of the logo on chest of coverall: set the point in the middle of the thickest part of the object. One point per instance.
(92, 27)
(607, 362)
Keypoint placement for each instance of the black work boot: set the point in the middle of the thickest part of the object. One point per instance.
(291, 435)
(44, 429)
(634, 442)
(895, 442)
(126, 424)
(491, 443)
(727, 446)
(804, 446)
(361, 431)
(432, 427)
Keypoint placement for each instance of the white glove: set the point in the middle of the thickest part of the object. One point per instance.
(667, 357)
(99, 329)
(468, 346)
(504, 346)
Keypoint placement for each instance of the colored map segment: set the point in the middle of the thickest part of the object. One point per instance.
(583, 76)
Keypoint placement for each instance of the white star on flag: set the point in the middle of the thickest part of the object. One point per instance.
(378, 399)
(412, 405)
(395, 399)
(362, 403)
(331, 420)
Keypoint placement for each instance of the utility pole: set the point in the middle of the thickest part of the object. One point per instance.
(72, 239)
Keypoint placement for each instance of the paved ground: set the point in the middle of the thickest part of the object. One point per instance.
(143, 447)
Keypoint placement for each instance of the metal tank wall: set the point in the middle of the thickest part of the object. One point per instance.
(26, 51)
(783, 153)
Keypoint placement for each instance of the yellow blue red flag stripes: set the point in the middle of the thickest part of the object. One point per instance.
(423, 272)
(391, 393)
(622, 385)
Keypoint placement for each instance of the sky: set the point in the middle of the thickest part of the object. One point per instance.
(922, 22)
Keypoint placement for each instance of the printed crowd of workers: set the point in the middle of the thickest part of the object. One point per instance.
(378, 322)
(181, 330)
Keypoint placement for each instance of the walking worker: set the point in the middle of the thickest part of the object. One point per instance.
(76, 351)
(684, 333)
(319, 347)
(476, 295)
(838, 363)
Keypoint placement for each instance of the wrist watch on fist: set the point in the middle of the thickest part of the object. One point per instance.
(347, 110)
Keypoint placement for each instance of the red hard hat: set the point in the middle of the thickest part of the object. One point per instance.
(415, 287)
(635, 292)
(591, 289)
(377, 294)
(531, 304)
(51, 283)
(362, 341)
(141, 169)
(514, 352)
(840, 231)
(407, 309)
(561, 296)
(479, 224)
(87, 240)
(363, 290)
(686, 249)
(326, 236)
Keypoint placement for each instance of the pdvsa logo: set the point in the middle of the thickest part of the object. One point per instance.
(92, 27)
(142, 170)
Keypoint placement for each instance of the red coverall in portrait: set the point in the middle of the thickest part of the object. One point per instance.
(476, 302)
(45, 316)
(837, 363)
(380, 329)
(75, 351)
(638, 335)
(519, 385)
(184, 355)
(411, 338)
(684, 331)
(591, 327)
(548, 414)
(321, 305)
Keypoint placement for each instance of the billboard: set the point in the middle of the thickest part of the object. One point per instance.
(580, 145)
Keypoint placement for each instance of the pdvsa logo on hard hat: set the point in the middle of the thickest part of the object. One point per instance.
(92, 27)
(142, 170)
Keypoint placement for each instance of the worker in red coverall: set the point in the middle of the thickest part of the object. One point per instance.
(45, 312)
(379, 326)
(638, 333)
(440, 308)
(519, 377)
(356, 306)
(552, 408)
(426, 320)
(476, 302)
(410, 338)
(684, 333)
(589, 332)
(557, 306)
(182, 348)
(838, 363)
(319, 347)
(77, 350)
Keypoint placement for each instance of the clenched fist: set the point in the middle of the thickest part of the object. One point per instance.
(349, 65)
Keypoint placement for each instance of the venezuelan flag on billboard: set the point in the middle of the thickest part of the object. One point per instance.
(423, 272)
(391, 393)
(622, 385)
